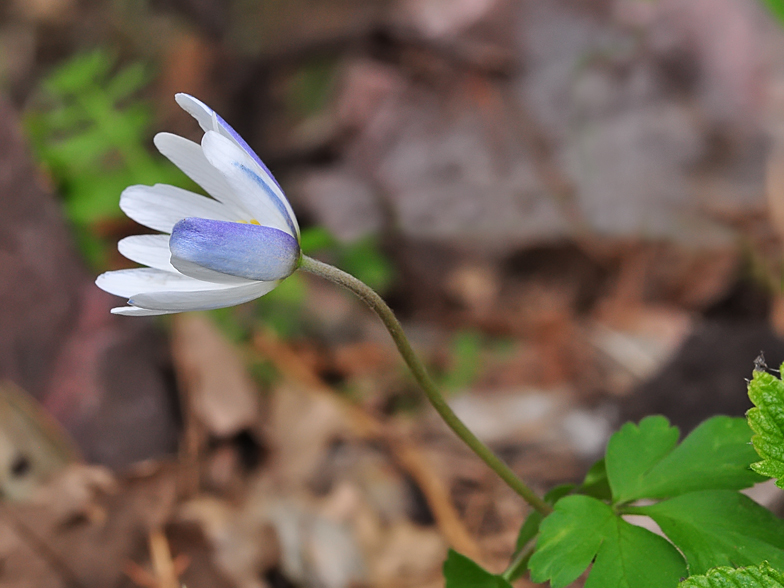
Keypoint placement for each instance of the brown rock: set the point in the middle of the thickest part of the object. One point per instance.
(103, 377)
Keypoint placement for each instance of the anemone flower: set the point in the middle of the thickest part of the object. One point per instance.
(210, 252)
(237, 246)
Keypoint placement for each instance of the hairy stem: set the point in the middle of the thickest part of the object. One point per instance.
(377, 304)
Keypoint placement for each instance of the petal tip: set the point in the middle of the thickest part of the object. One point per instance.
(185, 100)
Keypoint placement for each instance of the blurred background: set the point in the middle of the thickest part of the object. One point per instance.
(575, 208)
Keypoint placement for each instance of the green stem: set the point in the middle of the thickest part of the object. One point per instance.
(519, 564)
(377, 304)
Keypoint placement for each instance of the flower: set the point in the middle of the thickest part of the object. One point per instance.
(211, 252)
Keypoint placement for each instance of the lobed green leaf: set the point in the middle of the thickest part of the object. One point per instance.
(643, 460)
(583, 529)
(530, 528)
(718, 528)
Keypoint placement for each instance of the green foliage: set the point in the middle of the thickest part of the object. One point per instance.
(531, 525)
(282, 309)
(762, 576)
(583, 529)
(464, 355)
(707, 522)
(314, 239)
(529, 531)
(362, 258)
(701, 512)
(776, 7)
(596, 483)
(767, 421)
(461, 572)
(92, 135)
(230, 325)
(719, 528)
(365, 260)
(644, 462)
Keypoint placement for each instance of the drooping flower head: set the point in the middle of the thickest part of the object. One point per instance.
(211, 252)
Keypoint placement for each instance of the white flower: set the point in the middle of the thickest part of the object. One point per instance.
(212, 252)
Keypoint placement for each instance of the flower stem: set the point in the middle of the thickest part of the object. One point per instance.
(377, 304)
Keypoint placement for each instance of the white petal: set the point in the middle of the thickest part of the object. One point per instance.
(189, 157)
(202, 300)
(160, 207)
(198, 110)
(241, 172)
(209, 120)
(149, 250)
(127, 283)
(136, 311)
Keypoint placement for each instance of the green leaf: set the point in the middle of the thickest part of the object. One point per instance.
(127, 81)
(633, 451)
(465, 350)
(643, 462)
(316, 238)
(718, 528)
(767, 421)
(582, 529)
(596, 483)
(461, 572)
(530, 526)
(364, 259)
(633, 557)
(776, 7)
(762, 576)
(79, 73)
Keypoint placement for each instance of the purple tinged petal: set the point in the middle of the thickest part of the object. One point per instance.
(243, 250)
(277, 202)
(192, 105)
(246, 147)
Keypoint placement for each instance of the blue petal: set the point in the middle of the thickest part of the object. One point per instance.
(242, 250)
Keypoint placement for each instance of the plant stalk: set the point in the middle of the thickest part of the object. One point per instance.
(519, 564)
(377, 304)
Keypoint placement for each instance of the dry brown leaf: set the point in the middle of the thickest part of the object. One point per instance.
(361, 424)
(74, 492)
(409, 555)
(39, 548)
(243, 539)
(220, 392)
(33, 446)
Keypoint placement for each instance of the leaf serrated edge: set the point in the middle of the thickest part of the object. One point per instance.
(764, 574)
(766, 392)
